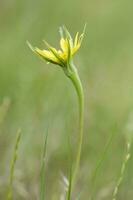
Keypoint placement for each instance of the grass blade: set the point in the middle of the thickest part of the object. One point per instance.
(12, 166)
(99, 163)
(123, 167)
(42, 174)
(70, 185)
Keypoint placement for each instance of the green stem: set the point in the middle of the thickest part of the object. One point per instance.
(74, 77)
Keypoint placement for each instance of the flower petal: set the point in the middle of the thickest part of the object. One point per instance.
(47, 55)
(68, 36)
(55, 53)
(66, 48)
(64, 45)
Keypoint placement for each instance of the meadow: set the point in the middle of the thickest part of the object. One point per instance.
(38, 98)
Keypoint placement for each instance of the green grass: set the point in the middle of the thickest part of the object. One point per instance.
(15, 156)
(43, 182)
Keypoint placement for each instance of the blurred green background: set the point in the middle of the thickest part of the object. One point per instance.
(37, 97)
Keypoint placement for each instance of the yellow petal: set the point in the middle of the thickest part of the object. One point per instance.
(64, 45)
(77, 43)
(76, 48)
(47, 55)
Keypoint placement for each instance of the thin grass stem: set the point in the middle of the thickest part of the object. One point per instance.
(12, 166)
(122, 171)
(42, 174)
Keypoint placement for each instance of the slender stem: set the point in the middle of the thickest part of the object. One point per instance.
(123, 168)
(74, 77)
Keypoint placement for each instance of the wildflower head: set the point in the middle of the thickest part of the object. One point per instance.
(68, 48)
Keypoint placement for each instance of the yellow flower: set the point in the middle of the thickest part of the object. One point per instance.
(68, 47)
